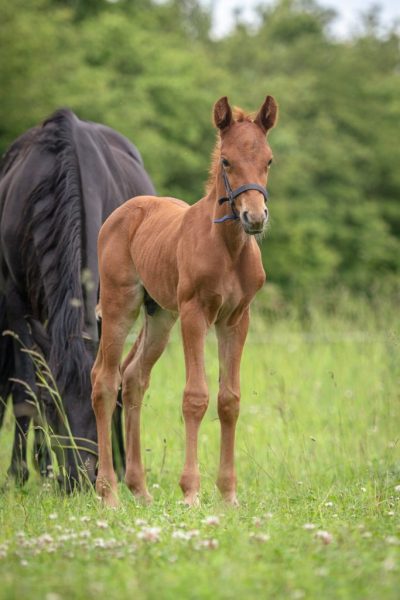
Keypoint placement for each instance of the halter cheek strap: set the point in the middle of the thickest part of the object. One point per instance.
(232, 194)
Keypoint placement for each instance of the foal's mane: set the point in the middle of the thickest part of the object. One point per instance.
(240, 116)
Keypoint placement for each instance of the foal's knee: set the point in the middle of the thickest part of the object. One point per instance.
(195, 403)
(228, 406)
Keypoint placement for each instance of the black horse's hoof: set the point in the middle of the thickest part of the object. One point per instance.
(19, 472)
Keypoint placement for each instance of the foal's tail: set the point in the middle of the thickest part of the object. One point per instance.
(6, 359)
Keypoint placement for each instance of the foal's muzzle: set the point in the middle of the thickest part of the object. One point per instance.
(254, 222)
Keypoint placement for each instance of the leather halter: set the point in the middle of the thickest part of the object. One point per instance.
(232, 194)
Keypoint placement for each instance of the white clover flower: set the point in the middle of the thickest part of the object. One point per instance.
(324, 536)
(256, 521)
(85, 519)
(367, 535)
(212, 520)
(397, 489)
(193, 533)
(53, 516)
(392, 540)
(140, 522)
(180, 535)
(46, 538)
(149, 534)
(389, 564)
(309, 526)
(102, 524)
(329, 504)
(261, 538)
(210, 544)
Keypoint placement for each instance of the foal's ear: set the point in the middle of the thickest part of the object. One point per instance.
(267, 114)
(222, 113)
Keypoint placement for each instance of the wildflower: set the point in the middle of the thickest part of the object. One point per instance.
(85, 519)
(256, 521)
(53, 516)
(150, 534)
(140, 522)
(209, 544)
(180, 535)
(324, 536)
(211, 520)
(329, 504)
(260, 537)
(102, 524)
(392, 539)
(389, 564)
(308, 526)
(397, 489)
(44, 539)
(367, 535)
(85, 533)
(193, 533)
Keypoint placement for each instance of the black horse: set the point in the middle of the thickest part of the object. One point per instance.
(58, 183)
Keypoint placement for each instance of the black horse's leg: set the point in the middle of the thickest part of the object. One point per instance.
(24, 384)
(19, 467)
(41, 453)
(118, 439)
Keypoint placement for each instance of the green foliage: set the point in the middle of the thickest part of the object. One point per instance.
(153, 71)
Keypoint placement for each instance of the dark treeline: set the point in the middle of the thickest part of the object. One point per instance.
(153, 71)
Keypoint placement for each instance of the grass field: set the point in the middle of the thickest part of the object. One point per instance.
(318, 461)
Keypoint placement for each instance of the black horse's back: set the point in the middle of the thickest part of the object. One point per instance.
(58, 183)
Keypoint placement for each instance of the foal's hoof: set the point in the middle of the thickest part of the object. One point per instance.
(143, 498)
(107, 493)
(231, 499)
(192, 499)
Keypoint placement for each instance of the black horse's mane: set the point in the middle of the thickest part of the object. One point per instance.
(52, 250)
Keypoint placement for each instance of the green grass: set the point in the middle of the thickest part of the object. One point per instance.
(318, 443)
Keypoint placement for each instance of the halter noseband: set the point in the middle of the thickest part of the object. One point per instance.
(232, 194)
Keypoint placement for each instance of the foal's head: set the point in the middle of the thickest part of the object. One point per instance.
(244, 155)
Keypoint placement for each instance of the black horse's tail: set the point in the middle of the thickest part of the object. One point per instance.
(6, 359)
(54, 262)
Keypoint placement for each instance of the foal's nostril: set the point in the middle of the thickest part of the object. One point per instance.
(245, 216)
(266, 214)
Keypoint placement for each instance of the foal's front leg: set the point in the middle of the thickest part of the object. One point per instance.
(195, 396)
(230, 346)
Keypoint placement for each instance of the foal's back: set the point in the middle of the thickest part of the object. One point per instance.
(141, 238)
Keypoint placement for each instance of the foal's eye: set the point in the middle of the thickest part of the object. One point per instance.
(226, 163)
(270, 162)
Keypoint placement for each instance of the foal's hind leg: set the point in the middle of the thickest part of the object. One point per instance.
(135, 380)
(230, 345)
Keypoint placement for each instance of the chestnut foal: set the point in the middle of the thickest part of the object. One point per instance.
(200, 263)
